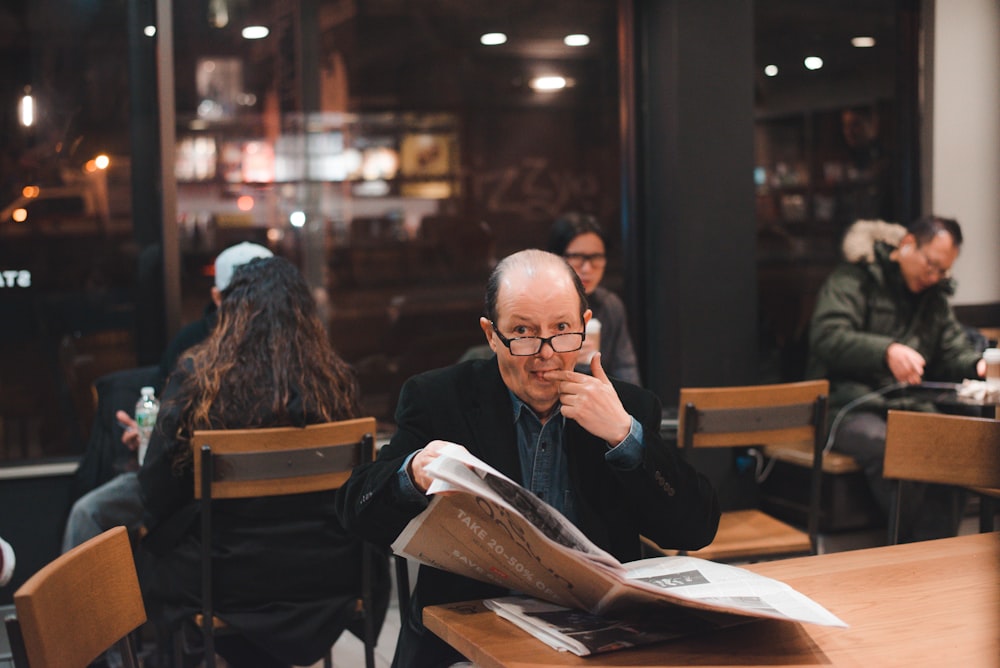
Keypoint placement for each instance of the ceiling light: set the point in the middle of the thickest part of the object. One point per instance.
(863, 42)
(492, 39)
(255, 32)
(548, 83)
(149, 31)
(576, 40)
(771, 70)
(813, 62)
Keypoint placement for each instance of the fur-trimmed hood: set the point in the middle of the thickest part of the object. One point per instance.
(859, 241)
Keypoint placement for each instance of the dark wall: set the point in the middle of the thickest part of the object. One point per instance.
(694, 103)
(33, 512)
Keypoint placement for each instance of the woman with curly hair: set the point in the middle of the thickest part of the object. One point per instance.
(279, 562)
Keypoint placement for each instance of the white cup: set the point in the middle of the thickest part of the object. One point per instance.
(592, 344)
(992, 357)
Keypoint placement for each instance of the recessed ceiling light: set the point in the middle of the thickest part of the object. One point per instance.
(863, 42)
(771, 70)
(255, 32)
(576, 40)
(149, 31)
(548, 83)
(813, 62)
(493, 39)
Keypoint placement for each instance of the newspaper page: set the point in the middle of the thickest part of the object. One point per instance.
(483, 525)
(583, 633)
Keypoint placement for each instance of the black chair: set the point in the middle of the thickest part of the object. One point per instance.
(757, 415)
(248, 463)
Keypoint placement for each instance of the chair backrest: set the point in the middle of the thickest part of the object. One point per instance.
(726, 417)
(281, 460)
(943, 449)
(246, 463)
(79, 605)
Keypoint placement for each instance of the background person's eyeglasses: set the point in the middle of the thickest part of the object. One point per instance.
(577, 260)
(525, 346)
(933, 267)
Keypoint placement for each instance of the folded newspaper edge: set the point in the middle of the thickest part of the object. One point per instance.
(483, 525)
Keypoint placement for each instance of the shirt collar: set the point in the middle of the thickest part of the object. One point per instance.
(520, 406)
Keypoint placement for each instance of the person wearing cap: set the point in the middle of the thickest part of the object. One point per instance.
(117, 501)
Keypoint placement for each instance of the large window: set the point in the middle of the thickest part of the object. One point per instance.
(827, 153)
(67, 259)
(395, 151)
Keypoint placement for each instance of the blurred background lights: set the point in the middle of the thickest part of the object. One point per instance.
(19, 215)
(576, 40)
(149, 31)
(26, 109)
(493, 39)
(813, 62)
(863, 42)
(244, 203)
(548, 83)
(771, 70)
(255, 32)
(297, 218)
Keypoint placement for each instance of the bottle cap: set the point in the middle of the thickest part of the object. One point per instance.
(148, 389)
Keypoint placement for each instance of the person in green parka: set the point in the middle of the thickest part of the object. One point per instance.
(883, 322)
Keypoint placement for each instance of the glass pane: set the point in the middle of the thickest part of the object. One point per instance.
(67, 257)
(825, 146)
(393, 156)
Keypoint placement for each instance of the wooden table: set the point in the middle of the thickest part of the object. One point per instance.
(935, 603)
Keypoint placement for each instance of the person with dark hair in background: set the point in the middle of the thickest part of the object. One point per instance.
(283, 580)
(882, 321)
(581, 241)
(587, 445)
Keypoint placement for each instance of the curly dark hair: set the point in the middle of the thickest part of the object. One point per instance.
(268, 352)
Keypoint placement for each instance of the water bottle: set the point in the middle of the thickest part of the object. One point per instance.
(146, 410)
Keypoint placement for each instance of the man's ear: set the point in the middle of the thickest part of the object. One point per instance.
(487, 328)
(907, 243)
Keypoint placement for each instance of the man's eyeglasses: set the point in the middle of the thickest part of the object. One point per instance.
(577, 260)
(525, 346)
(933, 267)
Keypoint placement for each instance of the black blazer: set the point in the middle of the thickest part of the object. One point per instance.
(665, 499)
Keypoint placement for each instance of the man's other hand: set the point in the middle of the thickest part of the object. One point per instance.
(592, 402)
(420, 461)
(905, 363)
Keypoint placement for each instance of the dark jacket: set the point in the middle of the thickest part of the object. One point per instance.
(664, 499)
(286, 573)
(863, 307)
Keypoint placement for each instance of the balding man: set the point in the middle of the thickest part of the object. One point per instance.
(587, 445)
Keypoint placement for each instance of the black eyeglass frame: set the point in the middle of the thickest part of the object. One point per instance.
(580, 259)
(541, 341)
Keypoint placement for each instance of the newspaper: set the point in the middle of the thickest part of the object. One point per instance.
(483, 525)
(583, 633)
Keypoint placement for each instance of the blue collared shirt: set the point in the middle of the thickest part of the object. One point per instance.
(544, 468)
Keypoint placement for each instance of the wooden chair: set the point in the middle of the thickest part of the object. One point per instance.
(247, 463)
(757, 415)
(78, 606)
(942, 449)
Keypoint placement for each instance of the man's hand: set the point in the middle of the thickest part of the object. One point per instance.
(130, 437)
(593, 402)
(905, 363)
(421, 460)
